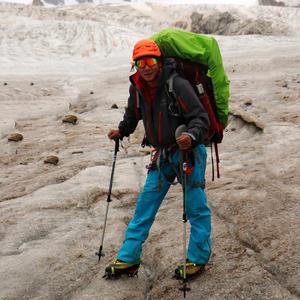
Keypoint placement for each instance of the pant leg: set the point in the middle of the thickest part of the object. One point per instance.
(198, 213)
(146, 208)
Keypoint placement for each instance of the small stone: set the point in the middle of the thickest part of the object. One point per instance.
(248, 102)
(31, 83)
(91, 92)
(5, 83)
(15, 137)
(70, 119)
(51, 160)
(115, 106)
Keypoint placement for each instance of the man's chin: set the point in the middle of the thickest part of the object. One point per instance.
(149, 77)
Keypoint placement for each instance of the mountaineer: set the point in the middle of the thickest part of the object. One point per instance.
(151, 102)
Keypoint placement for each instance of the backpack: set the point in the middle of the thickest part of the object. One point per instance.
(198, 59)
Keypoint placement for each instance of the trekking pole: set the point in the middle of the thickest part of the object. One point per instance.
(184, 220)
(183, 167)
(99, 253)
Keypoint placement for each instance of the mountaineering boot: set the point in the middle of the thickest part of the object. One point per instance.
(191, 270)
(119, 267)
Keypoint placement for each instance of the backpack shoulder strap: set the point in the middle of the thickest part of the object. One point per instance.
(170, 83)
(199, 89)
(174, 106)
(171, 94)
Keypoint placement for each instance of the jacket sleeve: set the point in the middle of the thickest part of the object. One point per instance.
(132, 115)
(193, 112)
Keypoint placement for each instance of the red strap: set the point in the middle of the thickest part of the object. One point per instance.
(189, 169)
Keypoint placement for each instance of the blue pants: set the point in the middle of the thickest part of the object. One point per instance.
(149, 201)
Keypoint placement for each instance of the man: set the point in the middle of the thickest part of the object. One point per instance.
(151, 102)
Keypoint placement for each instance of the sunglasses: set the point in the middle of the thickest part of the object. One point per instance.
(149, 61)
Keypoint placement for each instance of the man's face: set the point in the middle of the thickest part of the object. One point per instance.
(149, 68)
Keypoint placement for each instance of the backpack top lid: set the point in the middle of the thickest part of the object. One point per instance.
(201, 49)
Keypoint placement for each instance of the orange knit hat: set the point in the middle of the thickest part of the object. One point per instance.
(145, 47)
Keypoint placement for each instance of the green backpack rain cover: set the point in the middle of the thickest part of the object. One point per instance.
(200, 49)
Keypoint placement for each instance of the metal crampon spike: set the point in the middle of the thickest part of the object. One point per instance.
(135, 274)
(108, 276)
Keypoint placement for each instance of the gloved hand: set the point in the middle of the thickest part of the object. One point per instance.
(114, 134)
(184, 142)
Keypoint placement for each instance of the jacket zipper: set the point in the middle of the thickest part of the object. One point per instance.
(159, 127)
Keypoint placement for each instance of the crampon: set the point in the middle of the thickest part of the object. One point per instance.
(118, 268)
(192, 270)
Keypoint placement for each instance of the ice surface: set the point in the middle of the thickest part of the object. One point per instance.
(61, 60)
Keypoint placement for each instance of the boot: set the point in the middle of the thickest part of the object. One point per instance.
(191, 270)
(119, 267)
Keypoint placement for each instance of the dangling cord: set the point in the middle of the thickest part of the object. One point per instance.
(212, 162)
(217, 159)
